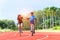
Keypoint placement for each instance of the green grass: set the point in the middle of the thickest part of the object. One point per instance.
(56, 28)
(5, 30)
(47, 30)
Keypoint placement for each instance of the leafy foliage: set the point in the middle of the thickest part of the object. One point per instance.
(9, 24)
(49, 17)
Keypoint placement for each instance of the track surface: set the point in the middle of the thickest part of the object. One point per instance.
(27, 36)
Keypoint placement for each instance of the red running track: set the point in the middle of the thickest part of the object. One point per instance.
(27, 36)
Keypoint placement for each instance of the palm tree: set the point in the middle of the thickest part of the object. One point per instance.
(50, 12)
(47, 13)
(58, 14)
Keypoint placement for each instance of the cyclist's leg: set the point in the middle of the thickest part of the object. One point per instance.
(19, 27)
(33, 28)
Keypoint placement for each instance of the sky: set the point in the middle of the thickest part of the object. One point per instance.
(9, 9)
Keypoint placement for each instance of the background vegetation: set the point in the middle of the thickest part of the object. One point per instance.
(47, 18)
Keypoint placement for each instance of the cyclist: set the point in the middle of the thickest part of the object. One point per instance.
(32, 20)
(20, 23)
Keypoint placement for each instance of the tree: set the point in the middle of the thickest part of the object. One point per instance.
(9, 24)
(51, 12)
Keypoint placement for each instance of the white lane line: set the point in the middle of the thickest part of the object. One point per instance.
(23, 37)
(28, 35)
(43, 38)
